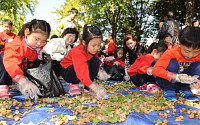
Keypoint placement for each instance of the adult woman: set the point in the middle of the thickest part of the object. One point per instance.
(130, 44)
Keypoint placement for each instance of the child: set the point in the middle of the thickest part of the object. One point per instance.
(118, 61)
(140, 71)
(141, 51)
(6, 36)
(168, 40)
(28, 43)
(82, 64)
(111, 46)
(58, 48)
(176, 64)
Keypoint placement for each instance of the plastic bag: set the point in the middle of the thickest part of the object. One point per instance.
(102, 75)
(44, 78)
(195, 88)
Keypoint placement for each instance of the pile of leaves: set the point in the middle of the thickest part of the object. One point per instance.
(86, 108)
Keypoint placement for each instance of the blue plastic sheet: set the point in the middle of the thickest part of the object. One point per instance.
(39, 115)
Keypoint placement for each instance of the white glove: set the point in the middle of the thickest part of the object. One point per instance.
(28, 89)
(149, 71)
(184, 78)
(100, 92)
(110, 58)
(127, 77)
(116, 63)
(10, 40)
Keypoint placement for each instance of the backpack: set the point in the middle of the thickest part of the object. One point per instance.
(172, 27)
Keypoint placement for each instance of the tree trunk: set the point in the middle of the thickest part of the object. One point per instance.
(189, 12)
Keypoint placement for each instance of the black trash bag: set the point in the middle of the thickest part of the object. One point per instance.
(44, 78)
(116, 74)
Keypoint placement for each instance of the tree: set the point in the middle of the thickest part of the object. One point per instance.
(16, 10)
(184, 10)
(138, 17)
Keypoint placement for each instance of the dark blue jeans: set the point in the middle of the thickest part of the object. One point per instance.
(69, 74)
(5, 78)
(193, 69)
(140, 79)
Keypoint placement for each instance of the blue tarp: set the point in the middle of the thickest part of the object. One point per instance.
(37, 115)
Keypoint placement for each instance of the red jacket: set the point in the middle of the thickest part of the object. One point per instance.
(159, 69)
(78, 57)
(111, 47)
(141, 65)
(5, 37)
(13, 54)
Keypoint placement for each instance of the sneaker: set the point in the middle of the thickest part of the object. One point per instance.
(74, 89)
(143, 87)
(4, 91)
(170, 95)
(188, 96)
(153, 88)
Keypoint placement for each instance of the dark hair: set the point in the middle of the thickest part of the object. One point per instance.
(190, 37)
(116, 51)
(73, 10)
(53, 36)
(195, 20)
(169, 14)
(160, 47)
(126, 38)
(91, 32)
(166, 35)
(70, 30)
(8, 22)
(141, 49)
(36, 26)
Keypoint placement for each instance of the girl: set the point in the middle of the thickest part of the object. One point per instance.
(168, 40)
(141, 50)
(28, 43)
(58, 48)
(140, 71)
(118, 61)
(176, 64)
(82, 64)
(130, 45)
(111, 46)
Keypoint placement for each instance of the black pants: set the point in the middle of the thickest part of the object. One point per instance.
(140, 79)
(69, 74)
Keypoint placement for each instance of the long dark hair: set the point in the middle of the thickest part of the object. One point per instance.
(36, 26)
(116, 51)
(91, 32)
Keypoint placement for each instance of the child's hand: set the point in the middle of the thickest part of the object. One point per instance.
(184, 78)
(127, 77)
(149, 71)
(116, 63)
(100, 92)
(110, 58)
(28, 89)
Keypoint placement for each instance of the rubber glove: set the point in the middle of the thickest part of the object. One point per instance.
(110, 58)
(117, 63)
(28, 89)
(99, 92)
(149, 71)
(127, 77)
(184, 78)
